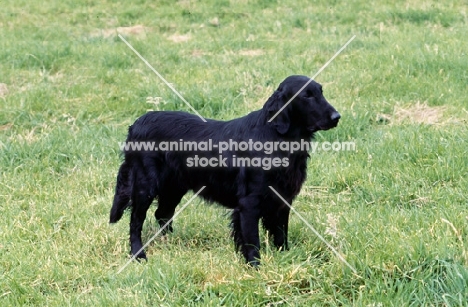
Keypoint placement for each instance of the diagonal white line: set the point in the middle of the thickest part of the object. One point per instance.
(313, 77)
(316, 232)
(161, 77)
(160, 230)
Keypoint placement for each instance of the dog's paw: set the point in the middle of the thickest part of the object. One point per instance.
(254, 264)
(140, 257)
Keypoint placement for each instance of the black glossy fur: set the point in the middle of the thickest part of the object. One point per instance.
(146, 175)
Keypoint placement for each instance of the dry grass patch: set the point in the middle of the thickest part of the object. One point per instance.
(179, 38)
(198, 53)
(252, 52)
(246, 52)
(418, 113)
(3, 90)
(6, 127)
(137, 31)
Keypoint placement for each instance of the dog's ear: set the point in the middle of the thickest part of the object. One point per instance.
(274, 104)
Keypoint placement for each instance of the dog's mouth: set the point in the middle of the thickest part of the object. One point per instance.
(325, 124)
(319, 127)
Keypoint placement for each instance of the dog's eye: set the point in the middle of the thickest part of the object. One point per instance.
(309, 94)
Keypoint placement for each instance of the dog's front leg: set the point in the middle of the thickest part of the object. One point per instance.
(280, 234)
(249, 218)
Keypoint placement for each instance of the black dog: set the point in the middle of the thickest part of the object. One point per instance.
(168, 174)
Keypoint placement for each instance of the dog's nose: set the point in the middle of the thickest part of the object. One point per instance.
(335, 116)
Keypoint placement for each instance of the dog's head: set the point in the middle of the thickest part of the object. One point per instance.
(307, 108)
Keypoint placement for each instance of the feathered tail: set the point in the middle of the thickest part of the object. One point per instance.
(123, 192)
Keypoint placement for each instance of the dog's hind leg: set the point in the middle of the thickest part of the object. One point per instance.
(168, 199)
(143, 195)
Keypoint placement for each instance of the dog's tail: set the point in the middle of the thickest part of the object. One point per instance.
(123, 192)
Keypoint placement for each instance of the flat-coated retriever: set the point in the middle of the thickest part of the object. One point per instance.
(246, 156)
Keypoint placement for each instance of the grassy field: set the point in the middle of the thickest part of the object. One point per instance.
(396, 208)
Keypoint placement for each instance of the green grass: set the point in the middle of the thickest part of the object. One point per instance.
(399, 201)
